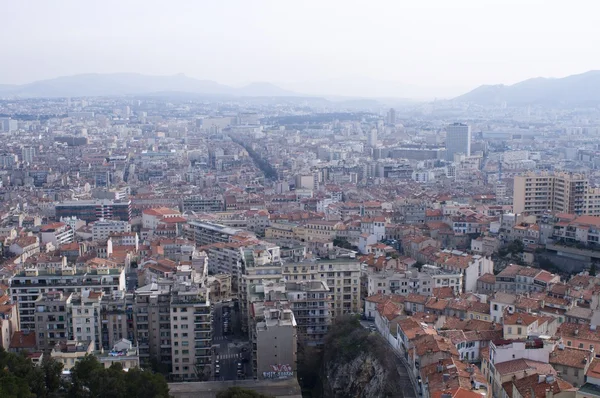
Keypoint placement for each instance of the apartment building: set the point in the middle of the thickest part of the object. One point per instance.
(276, 341)
(27, 285)
(512, 360)
(200, 204)
(538, 193)
(581, 229)
(191, 330)
(413, 282)
(259, 265)
(206, 233)
(471, 267)
(68, 353)
(102, 229)
(84, 310)
(116, 318)
(9, 323)
(311, 302)
(57, 233)
(517, 279)
(341, 274)
(52, 319)
(152, 317)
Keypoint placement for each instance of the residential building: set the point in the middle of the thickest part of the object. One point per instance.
(152, 318)
(517, 279)
(276, 342)
(341, 274)
(116, 318)
(536, 193)
(206, 233)
(69, 352)
(122, 352)
(27, 285)
(57, 233)
(311, 302)
(84, 309)
(514, 360)
(191, 329)
(102, 229)
(52, 319)
(572, 363)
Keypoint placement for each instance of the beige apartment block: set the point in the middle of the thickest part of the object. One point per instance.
(538, 193)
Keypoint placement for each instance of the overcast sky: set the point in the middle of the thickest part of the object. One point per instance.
(447, 45)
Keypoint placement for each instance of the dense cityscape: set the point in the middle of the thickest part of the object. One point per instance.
(216, 241)
(300, 199)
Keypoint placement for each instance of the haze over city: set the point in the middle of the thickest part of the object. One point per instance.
(299, 199)
(417, 49)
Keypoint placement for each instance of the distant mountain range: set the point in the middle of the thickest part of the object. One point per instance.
(95, 84)
(575, 89)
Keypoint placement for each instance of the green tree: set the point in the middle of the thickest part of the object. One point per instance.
(238, 392)
(53, 382)
(145, 384)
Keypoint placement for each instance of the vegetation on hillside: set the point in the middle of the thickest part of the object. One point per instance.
(21, 378)
(238, 392)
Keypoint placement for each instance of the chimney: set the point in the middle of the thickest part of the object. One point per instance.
(576, 333)
(541, 378)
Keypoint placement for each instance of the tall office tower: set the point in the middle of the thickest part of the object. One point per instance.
(391, 116)
(458, 140)
(372, 138)
(27, 154)
(537, 193)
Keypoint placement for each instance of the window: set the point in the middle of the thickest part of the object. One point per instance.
(580, 345)
(510, 330)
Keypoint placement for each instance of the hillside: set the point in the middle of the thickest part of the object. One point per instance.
(354, 363)
(579, 89)
(96, 84)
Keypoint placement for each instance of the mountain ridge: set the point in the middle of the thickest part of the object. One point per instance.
(109, 84)
(581, 88)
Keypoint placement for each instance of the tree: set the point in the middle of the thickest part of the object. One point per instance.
(238, 392)
(309, 367)
(145, 384)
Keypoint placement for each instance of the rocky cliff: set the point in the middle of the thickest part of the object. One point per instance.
(359, 363)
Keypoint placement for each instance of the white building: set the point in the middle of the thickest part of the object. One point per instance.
(57, 233)
(102, 229)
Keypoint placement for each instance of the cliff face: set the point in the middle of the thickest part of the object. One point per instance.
(364, 376)
(357, 363)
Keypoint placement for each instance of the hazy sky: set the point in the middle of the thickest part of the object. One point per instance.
(450, 45)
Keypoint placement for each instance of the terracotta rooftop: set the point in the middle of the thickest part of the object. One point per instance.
(571, 357)
(23, 340)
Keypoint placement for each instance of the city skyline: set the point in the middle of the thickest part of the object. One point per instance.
(428, 49)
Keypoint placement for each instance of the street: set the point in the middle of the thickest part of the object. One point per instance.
(231, 356)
